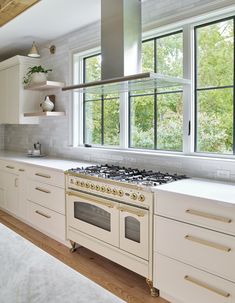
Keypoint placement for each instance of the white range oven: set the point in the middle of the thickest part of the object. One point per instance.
(110, 211)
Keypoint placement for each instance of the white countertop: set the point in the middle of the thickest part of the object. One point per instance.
(46, 162)
(207, 189)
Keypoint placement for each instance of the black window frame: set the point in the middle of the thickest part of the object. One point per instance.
(196, 89)
(154, 94)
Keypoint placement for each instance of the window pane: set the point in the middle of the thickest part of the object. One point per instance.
(215, 121)
(148, 56)
(92, 66)
(170, 121)
(111, 121)
(93, 122)
(142, 122)
(170, 55)
(215, 54)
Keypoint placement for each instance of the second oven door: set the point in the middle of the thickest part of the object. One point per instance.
(134, 231)
(94, 216)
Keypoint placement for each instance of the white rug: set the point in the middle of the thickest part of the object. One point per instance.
(30, 275)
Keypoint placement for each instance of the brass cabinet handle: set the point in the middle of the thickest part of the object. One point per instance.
(208, 216)
(138, 213)
(94, 200)
(43, 175)
(42, 214)
(43, 190)
(10, 167)
(21, 169)
(207, 243)
(207, 286)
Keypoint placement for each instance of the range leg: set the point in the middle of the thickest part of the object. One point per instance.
(74, 246)
(153, 291)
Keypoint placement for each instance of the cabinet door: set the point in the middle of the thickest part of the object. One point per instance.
(11, 192)
(13, 94)
(3, 96)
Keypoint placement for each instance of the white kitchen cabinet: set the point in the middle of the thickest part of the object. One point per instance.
(14, 99)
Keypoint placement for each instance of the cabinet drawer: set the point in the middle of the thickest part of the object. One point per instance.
(47, 195)
(47, 176)
(204, 212)
(185, 284)
(46, 220)
(200, 247)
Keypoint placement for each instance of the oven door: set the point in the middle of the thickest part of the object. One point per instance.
(94, 216)
(134, 231)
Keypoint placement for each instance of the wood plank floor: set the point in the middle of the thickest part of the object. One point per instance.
(120, 281)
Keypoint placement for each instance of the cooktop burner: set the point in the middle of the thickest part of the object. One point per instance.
(130, 175)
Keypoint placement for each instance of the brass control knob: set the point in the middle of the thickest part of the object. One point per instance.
(133, 196)
(102, 188)
(77, 183)
(120, 193)
(92, 186)
(141, 198)
(71, 181)
(88, 185)
(82, 184)
(108, 190)
(97, 187)
(114, 191)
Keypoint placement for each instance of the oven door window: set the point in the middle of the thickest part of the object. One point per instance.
(132, 229)
(93, 215)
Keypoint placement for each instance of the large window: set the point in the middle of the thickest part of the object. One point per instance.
(199, 120)
(156, 117)
(214, 87)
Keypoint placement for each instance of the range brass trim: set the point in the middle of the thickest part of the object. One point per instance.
(208, 243)
(138, 213)
(42, 214)
(207, 286)
(208, 216)
(89, 198)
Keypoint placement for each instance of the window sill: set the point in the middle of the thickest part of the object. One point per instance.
(177, 155)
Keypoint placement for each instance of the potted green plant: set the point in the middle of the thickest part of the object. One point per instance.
(36, 74)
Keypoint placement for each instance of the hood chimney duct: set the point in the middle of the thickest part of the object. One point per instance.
(120, 38)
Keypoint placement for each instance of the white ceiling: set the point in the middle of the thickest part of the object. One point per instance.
(47, 20)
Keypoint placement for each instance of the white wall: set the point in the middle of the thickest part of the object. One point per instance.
(53, 133)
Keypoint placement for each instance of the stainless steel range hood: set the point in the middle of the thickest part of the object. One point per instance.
(121, 53)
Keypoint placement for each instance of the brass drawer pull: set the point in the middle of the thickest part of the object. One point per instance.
(134, 212)
(42, 214)
(43, 190)
(208, 216)
(21, 169)
(207, 243)
(207, 286)
(43, 175)
(94, 200)
(10, 167)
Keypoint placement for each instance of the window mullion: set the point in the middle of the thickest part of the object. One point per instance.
(188, 108)
(234, 85)
(124, 120)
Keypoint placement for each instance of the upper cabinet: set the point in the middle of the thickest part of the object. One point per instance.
(14, 99)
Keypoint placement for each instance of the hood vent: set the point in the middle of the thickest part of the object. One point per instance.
(121, 53)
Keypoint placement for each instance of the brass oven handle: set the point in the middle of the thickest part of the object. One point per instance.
(10, 167)
(43, 175)
(43, 190)
(95, 200)
(42, 214)
(138, 213)
(207, 243)
(208, 216)
(208, 287)
(21, 170)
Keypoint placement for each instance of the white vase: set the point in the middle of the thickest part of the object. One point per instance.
(47, 105)
(38, 77)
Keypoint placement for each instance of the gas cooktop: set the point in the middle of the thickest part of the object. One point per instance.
(129, 175)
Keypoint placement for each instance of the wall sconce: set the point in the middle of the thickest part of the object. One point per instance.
(34, 53)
